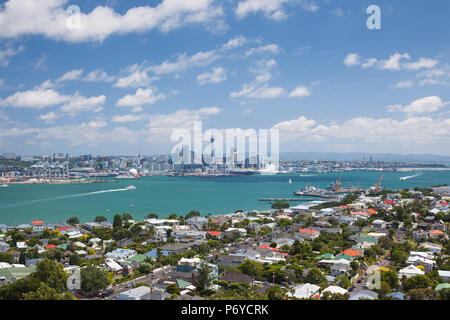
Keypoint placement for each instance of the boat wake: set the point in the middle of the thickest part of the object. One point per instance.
(78, 195)
(410, 177)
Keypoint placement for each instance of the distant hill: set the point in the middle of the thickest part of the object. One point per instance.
(351, 156)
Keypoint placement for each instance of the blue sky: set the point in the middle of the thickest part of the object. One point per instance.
(137, 70)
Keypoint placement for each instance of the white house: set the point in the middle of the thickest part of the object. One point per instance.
(334, 290)
(139, 293)
(304, 291)
(410, 271)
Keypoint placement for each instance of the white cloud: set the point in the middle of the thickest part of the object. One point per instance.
(217, 75)
(126, 118)
(7, 54)
(78, 104)
(300, 91)
(184, 62)
(422, 105)
(44, 96)
(269, 48)
(71, 75)
(393, 63)
(98, 75)
(421, 63)
(272, 9)
(235, 42)
(141, 97)
(352, 59)
(138, 78)
(49, 117)
(161, 126)
(404, 84)
(37, 98)
(369, 63)
(411, 131)
(50, 19)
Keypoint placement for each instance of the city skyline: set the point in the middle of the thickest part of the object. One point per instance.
(311, 69)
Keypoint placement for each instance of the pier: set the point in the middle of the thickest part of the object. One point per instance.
(288, 199)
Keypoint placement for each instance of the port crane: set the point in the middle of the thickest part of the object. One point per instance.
(338, 184)
(377, 185)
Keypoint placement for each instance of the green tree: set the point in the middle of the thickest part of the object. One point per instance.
(204, 279)
(384, 290)
(152, 216)
(399, 256)
(343, 282)
(52, 274)
(6, 257)
(93, 279)
(73, 221)
(100, 219)
(251, 268)
(315, 276)
(417, 282)
(173, 289)
(172, 216)
(126, 217)
(422, 294)
(145, 268)
(44, 292)
(117, 222)
(192, 214)
(275, 293)
(280, 205)
(390, 277)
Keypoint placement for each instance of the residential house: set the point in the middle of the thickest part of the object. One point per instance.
(237, 277)
(305, 291)
(410, 271)
(139, 293)
(233, 260)
(308, 233)
(38, 225)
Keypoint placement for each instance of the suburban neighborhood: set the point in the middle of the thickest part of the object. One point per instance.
(385, 245)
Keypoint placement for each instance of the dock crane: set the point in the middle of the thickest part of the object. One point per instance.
(377, 185)
(338, 184)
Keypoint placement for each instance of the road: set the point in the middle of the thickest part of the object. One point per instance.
(382, 262)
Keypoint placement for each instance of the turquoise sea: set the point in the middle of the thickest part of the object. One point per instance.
(166, 195)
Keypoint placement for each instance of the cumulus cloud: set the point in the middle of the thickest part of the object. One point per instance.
(138, 78)
(269, 48)
(422, 105)
(300, 91)
(78, 104)
(396, 62)
(410, 131)
(71, 75)
(141, 97)
(404, 84)
(126, 118)
(45, 96)
(352, 59)
(37, 98)
(7, 53)
(161, 126)
(217, 75)
(51, 19)
(98, 75)
(272, 9)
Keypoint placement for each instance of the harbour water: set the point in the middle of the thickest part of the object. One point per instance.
(165, 195)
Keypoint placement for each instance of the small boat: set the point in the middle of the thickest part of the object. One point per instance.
(4, 185)
(130, 188)
(131, 204)
(290, 180)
